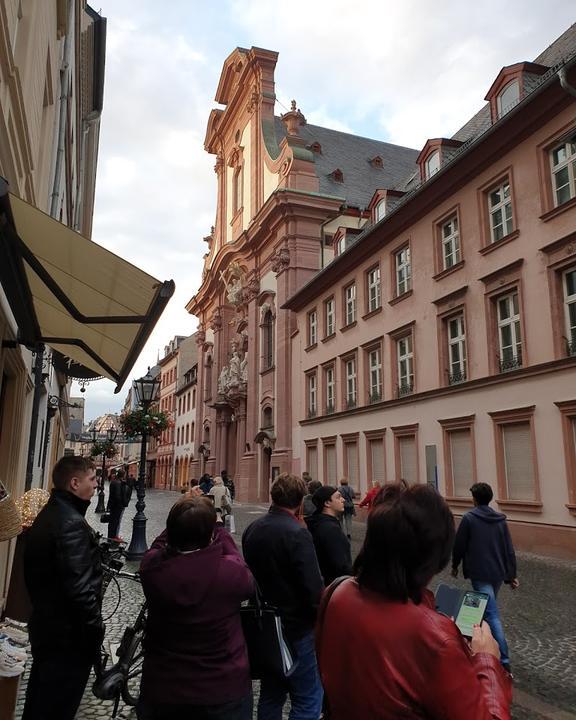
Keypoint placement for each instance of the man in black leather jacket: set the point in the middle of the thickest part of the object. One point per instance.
(64, 579)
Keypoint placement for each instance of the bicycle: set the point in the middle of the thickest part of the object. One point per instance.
(122, 679)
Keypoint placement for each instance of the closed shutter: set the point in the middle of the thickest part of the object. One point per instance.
(408, 460)
(330, 469)
(312, 461)
(352, 464)
(518, 461)
(461, 458)
(377, 461)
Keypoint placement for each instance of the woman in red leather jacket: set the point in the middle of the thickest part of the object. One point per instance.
(403, 660)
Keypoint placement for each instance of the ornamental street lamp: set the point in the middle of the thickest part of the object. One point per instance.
(145, 388)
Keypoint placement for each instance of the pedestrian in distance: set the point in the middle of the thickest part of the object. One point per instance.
(118, 499)
(332, 546)
(484, 547)
(221, 497)
(349, 510)
(280, 553)
(228, 483)
(195, 658)
(371, 495)
(205, 483)
(64, 580)
(308, 507)
(430, 670)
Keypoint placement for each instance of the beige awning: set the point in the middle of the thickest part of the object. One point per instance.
(72, 294)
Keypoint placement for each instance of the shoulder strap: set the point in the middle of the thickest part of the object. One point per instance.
(324, 604)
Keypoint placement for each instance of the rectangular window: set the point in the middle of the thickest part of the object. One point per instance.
(569, 287)
(312, 396)
(375, 375)
(330, 316)
(509, 332)
(350, 372)
(408, 469)
(350, 303)
(500, 209)
(351, 453)
(563, 162)
(461, 461)
(403, 271)
(374, 293)
(330, 385)
(312, 328)
(518, 461)
(376, 450)
(456, 349)
(405, 359)
(312, 461)
(330, 465)
(451, 254)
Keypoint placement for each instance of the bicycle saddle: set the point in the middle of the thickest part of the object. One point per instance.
(108, 686)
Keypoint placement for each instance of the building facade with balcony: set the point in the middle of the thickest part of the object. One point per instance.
(439, 346)
(185, 412)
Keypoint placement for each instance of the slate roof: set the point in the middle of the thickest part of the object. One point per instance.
(351, 154)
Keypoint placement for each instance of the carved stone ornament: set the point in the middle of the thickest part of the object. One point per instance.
(281, 260)
(253, 102)
(233, 378)
(293, 119)
(216, 321)
(252, 289)
(219, 164)
(200, 335)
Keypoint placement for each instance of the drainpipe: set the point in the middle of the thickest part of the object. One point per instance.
(563, 77)
(92, 118)
(63, 103)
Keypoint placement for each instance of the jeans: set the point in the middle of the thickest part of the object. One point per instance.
(303, 686)
(492, 616)
(236, 710)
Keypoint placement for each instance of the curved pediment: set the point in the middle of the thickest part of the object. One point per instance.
(231, 72)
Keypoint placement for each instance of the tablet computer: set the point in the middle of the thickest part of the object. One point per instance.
(466, 607)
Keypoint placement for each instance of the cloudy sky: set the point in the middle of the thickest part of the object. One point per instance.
(401, 72)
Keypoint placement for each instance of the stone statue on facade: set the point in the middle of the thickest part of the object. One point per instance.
(224, 381)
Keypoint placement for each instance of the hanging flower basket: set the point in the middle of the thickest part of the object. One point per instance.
(141, 421)
(103, 447)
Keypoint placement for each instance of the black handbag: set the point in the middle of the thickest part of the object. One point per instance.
(105, 517)
(269, 651)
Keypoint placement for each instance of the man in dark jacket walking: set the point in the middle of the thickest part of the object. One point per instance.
(280, 553)
(484, 546)
(64, 579)
(332, 546)
(118, 499)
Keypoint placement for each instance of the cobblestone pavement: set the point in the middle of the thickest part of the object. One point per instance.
(538, 618)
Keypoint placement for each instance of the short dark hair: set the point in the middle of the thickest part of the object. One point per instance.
(313, 485)
(120, 474)
(288, 490)
(482, 493)
(69, 466)
(409, 538)
(190, 523)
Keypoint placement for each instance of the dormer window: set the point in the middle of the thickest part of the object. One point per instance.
(376, 162)
(432, 164)
(508, 98)
(316, 148)
(337, 175)
(380, 210)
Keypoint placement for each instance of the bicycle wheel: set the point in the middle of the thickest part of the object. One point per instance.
(112, 597)
(133, 657)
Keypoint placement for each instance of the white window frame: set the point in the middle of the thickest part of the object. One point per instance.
(330, 379)
(351, 382)
(500, 211)
(374, 289)
(312, 395)
(380, 210)
(403, 271)
(350, 303)
(432, 164)
(450, 238)
(569, 303)
(405, 364)
(330, 310)
(375, 374)
(312, 328)
(568, 162)
(514, 357)
(456, 347)
(503, 109)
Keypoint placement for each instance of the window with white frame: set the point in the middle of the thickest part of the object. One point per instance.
(432, 164)
(451, 254)
(350, 372)
(403, 271)
(330, 466)
(380, 210)
(350, 303)
(330, 311)
(500, 209)
(563, 161)
(312, 328)
(377, 464)
(312, 395)
(405, 357)
(456, 349)
(509, 332)
(330, 385)
(508, 98)
(569, 286)
(375, 375)
(408, 458)
(374, 292)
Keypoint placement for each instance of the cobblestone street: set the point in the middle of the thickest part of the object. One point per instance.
(538, 618)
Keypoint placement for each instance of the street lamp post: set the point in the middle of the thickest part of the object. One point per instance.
(111, 434)
(146, 391)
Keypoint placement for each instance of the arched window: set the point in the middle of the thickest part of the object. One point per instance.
(237, 188)
(268, 340)
(508, 98)
(267, 418)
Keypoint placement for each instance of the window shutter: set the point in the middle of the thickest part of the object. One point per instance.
(518, 461)
(312, 461)
(461, 457)
(352, 463)
(377, 459)
(408, 460)
(330, 469)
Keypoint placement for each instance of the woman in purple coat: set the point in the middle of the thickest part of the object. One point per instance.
(195, 659)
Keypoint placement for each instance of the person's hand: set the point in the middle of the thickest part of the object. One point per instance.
(515, 584)
(483, 641)
(454, 572)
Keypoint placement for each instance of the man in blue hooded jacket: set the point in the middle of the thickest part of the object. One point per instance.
(484, 546)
